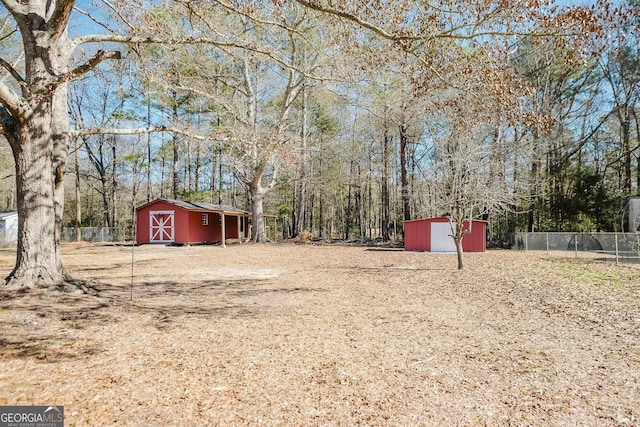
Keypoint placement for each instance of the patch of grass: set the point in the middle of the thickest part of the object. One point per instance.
(595, 275)
(579, 270)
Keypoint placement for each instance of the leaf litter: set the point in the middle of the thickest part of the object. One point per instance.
(284, 334)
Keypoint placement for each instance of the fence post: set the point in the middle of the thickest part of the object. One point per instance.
(615, 237)
(575, 244)
(547, 234)
(526, 241)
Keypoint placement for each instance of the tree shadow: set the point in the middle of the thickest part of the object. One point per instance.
(45, 327)
(384, 249)
(42, 326)
(169, 302)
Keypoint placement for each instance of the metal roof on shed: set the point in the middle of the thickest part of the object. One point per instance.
(7, 214)
(199, 206)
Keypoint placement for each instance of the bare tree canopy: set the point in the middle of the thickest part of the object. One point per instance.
(239, 76)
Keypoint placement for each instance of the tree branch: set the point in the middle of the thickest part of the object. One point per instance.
(6, 36)
(227, 106)
(92, 63)
(6, 121)
(137, 131)
(12, 71)
(361, 22)
(59, 17)
(117, 12)
(112, 38)
(251, 17)
(94, 19)
(14, 7)
(115, 38)
(11, 101)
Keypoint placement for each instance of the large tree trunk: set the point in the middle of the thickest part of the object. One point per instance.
(175, 170)
(78, 195)
(385, 215)
(61, 132)
(533, 191)
(635, 119)
(625, 135)
(257, 193)
(404, 176)
(38, 131)
(38, 262)
(302, 203)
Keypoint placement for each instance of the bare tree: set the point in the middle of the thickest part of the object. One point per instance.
(252, 91)
(440, 36)
(622, 73)
(467, 181)
(34, 117)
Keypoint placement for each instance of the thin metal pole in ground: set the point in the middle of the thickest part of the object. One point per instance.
(547, 234)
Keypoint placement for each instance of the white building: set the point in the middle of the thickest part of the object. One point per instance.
(8, 228)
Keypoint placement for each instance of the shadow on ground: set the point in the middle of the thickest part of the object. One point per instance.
(170, 301)
(46, 326)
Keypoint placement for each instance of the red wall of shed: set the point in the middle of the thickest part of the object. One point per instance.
(142, 226)
(198, 233)
(231, 227)
(477, 240)
(417, 235)
(195, 231)
(181, 226)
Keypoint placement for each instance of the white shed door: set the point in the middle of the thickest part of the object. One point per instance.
(441, 240)
(162, 226)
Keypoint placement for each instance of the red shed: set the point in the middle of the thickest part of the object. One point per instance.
(434, 235)
(182, 223)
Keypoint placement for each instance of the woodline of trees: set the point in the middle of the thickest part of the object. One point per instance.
(344, 120)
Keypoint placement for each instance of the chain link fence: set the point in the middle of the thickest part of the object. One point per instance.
(94, 234)
(87, 234)
(617, 247)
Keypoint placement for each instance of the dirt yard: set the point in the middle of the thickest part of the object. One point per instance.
(309, 335)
